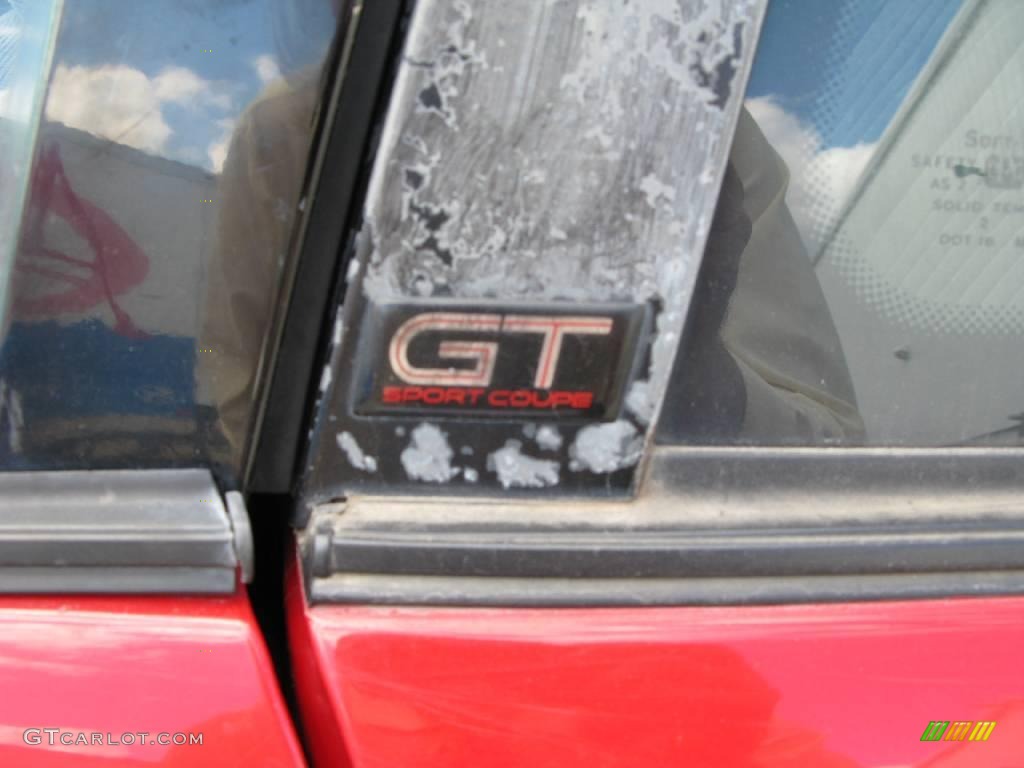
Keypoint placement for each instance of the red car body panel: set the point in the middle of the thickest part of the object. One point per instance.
(828, 686)
(130, 664)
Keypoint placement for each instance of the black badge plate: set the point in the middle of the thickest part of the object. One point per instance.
(497, 362)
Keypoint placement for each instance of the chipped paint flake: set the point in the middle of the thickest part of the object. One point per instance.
(429, 457)
(355, 454)
(603, 448)
(548, 438)
(655, 190)
(639, 403)
(517, 470)
(352, 271)
(339, 326)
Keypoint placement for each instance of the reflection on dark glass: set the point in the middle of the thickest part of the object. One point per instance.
(165, 183)
(762, 361)
(881, 164)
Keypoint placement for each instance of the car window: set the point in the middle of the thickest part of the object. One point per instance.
(165, 180)
(25, 37)
(864, 280)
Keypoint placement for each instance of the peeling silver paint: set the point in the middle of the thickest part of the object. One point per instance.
(429, 457)
(602, 448)
(355, 454)
(554, 146)
(551, 146)
(554, 151)
(517, 470)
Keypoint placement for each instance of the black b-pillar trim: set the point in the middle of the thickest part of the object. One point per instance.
(343, 163)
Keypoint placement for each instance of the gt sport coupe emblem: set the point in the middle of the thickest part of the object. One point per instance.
(566, 361)
(485, 354)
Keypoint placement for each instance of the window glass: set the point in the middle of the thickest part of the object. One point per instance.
(26, 31)
(864, 278)
(164, 184)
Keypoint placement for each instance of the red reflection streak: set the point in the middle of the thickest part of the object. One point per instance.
(119, 264)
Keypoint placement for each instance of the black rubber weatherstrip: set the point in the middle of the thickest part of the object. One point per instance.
(153, 531)
(664, 567)
(592, 593)
(580, 554)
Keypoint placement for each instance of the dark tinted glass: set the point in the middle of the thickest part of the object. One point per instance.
(163, 188)
(864, 279)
